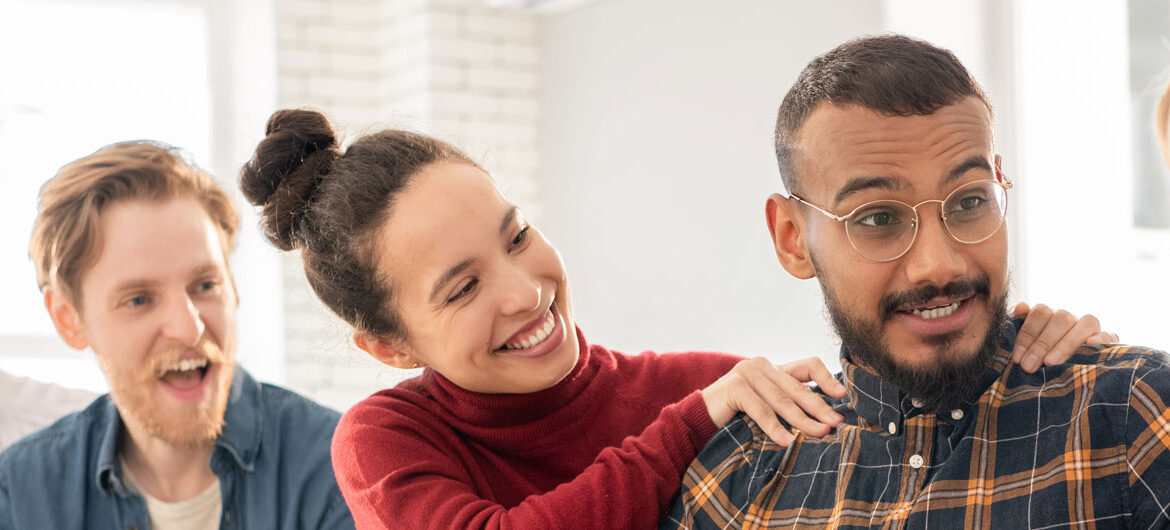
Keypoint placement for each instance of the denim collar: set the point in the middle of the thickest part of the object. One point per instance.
(878, 402)
(240, 438)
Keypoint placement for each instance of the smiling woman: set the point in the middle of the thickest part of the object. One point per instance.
(516, 421)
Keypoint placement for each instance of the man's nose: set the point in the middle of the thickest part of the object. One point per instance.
(934, 257)
(182, 321)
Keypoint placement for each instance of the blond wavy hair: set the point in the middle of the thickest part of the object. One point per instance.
(66, 236)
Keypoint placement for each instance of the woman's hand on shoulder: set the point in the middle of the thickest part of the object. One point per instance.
(1050, 337)
(763, 391)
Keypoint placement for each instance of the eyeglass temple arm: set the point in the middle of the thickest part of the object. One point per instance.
(838, 218)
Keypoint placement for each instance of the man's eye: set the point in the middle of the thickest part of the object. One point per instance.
(881, 218)
(207, 285)
(463, 291)
(971, 202)
(136, 301)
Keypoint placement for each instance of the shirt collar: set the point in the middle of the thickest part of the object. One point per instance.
(879, 402)
(243, 425)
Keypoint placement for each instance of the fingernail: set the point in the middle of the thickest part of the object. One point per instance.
(1016, 353)
(1030, 364)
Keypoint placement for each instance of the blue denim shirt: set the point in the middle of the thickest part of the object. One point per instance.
(272, 461)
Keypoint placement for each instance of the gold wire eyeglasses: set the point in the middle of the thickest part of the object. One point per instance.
(885, 230)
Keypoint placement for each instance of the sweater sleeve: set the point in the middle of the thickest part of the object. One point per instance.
(417, 485)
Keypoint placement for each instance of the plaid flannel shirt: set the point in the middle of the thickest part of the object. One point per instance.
(1084, 444)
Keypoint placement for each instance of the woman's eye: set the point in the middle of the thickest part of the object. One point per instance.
(207, 285)
(521, 237)
(463, 291)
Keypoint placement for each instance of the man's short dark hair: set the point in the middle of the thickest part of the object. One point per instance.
(890, 74)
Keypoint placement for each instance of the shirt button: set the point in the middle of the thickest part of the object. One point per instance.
(916, 461)
(957, 414)
(917, 403)
(893, 428)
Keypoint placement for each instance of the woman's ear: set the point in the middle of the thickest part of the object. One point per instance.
(787, 228)
(66, 318)
(385, 351)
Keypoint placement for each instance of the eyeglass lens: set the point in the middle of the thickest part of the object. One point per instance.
(884, 230)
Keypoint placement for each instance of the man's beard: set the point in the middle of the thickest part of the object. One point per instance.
(955, 376)
(194, 424)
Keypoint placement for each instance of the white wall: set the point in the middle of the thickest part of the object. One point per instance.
(1076, 170)
(656, 161)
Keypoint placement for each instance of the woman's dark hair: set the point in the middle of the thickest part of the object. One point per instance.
(330, 203)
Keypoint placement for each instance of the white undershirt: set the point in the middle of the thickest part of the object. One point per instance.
(201, 512)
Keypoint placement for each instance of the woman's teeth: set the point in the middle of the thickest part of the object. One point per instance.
(536, 337)
(935, 312)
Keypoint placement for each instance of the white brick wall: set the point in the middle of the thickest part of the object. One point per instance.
(455, 69)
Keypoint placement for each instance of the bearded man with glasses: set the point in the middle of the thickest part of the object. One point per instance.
(897, 205)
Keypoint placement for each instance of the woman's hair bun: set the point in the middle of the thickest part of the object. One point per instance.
(296, 154)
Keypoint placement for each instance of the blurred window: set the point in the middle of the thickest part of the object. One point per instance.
(79, 76)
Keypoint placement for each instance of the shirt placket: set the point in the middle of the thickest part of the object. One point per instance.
(915, 463)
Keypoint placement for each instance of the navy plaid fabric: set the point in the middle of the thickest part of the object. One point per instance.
(1080, 445)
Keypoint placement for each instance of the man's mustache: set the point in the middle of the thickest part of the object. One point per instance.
(977, 286)
(205, 347)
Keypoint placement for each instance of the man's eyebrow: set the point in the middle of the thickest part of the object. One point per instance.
(205, 270)
(451, 274)
(136, 284)
(857, 184)
(975, 162)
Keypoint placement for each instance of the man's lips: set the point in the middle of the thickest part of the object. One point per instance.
(935, 303)
(932, 296)
(930, 320)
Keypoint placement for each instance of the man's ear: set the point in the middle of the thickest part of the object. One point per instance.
(385, 351)
(787, 229)
(66, 318)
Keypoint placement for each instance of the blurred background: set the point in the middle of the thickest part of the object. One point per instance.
(635, 133)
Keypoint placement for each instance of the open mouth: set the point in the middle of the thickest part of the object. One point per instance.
(534, 336)
(185, 374)
(931, 313)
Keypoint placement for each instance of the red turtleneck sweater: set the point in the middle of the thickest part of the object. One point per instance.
(603, 448)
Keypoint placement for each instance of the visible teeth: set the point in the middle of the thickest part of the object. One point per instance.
(186, 364)
(935, 312)
(537, 336)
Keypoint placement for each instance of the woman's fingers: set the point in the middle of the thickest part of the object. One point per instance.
(813, 369)
(1034, 323)
(765, 417)
(767, 394)
(1084, 329)
(1104, 337)
(794, 401)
